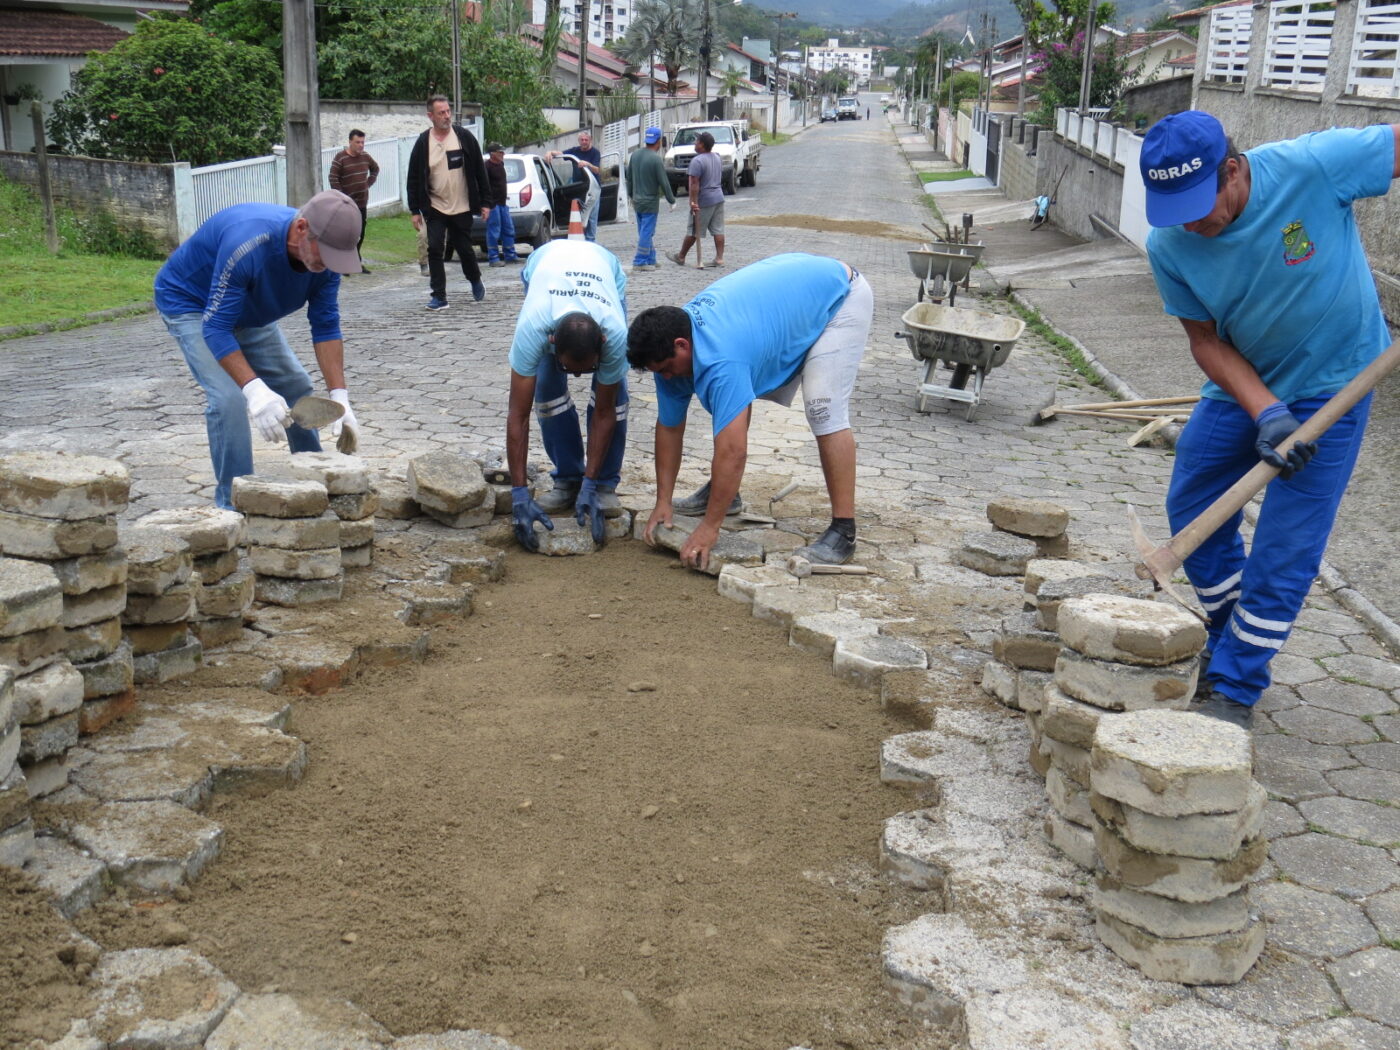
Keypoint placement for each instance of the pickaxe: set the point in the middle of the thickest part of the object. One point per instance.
(1159, 564)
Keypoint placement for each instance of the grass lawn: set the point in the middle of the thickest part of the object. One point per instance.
(390, 239)
(945, 176)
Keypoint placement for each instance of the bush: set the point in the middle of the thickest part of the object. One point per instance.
(172, 91)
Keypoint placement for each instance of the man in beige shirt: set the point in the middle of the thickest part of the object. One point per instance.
(446, 186)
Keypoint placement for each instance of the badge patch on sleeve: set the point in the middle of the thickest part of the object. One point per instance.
(1298, 247)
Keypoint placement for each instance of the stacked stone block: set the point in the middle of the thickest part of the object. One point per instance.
(353, 499)
(223, 588)
(1040, 521)
(161, 605)
(293, 539)
(451, 488)
(1119, 655)
(16, 825)
(1178, 823)
(59, 509)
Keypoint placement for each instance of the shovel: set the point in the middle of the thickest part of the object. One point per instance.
(1159, 564)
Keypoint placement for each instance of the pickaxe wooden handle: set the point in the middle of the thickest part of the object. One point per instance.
(1161, 563)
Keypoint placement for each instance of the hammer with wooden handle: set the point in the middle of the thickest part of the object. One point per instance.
(802, 568)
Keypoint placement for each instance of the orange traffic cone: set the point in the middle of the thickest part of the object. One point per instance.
(576, 223)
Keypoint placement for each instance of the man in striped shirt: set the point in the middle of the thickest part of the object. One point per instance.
(353, 172)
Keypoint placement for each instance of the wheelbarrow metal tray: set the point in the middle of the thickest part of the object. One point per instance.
(960, 336)
(952, 262)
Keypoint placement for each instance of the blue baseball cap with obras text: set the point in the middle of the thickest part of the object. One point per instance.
(1178, 162)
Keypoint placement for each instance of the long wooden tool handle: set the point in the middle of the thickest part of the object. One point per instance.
(1241, 492)
(699, 259)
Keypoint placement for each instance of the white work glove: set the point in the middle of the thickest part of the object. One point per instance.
(268, 410)
(346, 429)
(673, 205)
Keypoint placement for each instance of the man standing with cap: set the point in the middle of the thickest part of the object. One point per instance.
(500, 227)
(574, 322)
(646, 182)
(1258, 255)
(221, 294)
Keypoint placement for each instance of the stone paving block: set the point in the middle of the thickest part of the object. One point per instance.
(1030, 690)
(168, 663)
(157, 560)
(1075, 842)
(1306, 922)
(1347, 1033)
(1191, 1025)
(448, 483)
(231, 596)
(995, 553)
(937, 962)
(235, 670)
(1068, 720)
(218, 632)
(1222, 958)
(52, 484)
(740, 583)
(208, 530)
(1128, 630)
(923, 847)
(361, 557)
(1348, 817)
(1279, 992)
(279, 497)
(731, 548)
(281, 1022)
(157, 637)
(47, 693)
(108, 676)
(341, 474)
(320, 564)
(276, 590)
(31, 597)
(52, 539)
(1368, 670)
(1023, 644)
(1165, 917)
(1039, 1018)
(783, 605)
(49, 775)
(820, 632)
(356, 533)
(430, 603)
(92, 572)
(1125, 687)
(865, 659)
(999, 682)
(1290, 781)
(1379, 756)
(98, 713)
(1347, 698)
(48, 738)
(1333, 865)
(1324, 727)
(293, 534)
(311, 665)
(1384, 912)
(17, 844)
(396, 500)
(109, 603)
(151, 846)
(1053, 593)
(1172, 763)
(158, 997)
(1207, 836)
(470, 562)
(927, 756)
(1300, 752)
(10, 740)
(91, 641)
(178, 775)
(1181, 878)
(454, 1039)
(568, 538)
(175, 605)
(1034, 518)
(1039, 571)
(1069, 759)
(1367, 981)
(362, 506)
(1067, 798)
(212, 568)
(73, 880)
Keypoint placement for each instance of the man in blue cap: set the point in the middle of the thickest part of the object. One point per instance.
(646, 182)
(1258, 255)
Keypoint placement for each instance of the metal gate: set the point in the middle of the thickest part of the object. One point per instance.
(993, 149)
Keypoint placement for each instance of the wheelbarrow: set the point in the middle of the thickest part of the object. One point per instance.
(971, 342)
(940, 263)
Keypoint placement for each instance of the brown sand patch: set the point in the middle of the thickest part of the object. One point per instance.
(825, 224)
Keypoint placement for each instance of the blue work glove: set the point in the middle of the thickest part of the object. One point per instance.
(589, 505)
(1275, 424)
(524, 512)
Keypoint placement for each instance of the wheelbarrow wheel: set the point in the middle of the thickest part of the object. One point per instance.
(959, 377)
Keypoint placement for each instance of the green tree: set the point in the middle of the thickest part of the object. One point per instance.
(388, 53)
(502, 73)
(670, 30)
(172, 91)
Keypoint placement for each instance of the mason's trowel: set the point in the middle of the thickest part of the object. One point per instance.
(314, 412)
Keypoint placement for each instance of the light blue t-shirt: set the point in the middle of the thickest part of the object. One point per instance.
(1287, 283)
(751, 332)
(564, 277)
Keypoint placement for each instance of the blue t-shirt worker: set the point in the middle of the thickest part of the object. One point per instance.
(588, 168)
(221, 294)
(1258, 255)
(758, 334)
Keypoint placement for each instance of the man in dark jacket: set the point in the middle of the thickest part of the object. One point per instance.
(446, 186)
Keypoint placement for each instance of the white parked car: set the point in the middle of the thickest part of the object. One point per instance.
(539, 194)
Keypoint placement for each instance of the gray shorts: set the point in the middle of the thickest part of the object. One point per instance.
(828, 373)
(711, 220)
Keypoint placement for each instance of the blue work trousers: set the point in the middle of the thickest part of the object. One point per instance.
(559, 429)
(225, 411)
(500, 234)
(646, 232)
(1253, 600)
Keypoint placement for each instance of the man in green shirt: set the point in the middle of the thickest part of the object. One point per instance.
(646, 181)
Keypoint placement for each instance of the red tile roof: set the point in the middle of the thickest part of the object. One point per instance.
(49, 33)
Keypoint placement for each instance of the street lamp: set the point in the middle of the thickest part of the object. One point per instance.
(777, 58)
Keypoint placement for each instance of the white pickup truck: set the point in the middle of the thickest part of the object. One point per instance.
(738, 149)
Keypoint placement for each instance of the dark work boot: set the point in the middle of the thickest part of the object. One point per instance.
(831, 548)
(698, 502)
(1220, 706)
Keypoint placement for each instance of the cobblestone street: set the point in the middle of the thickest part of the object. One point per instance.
(1327, 741)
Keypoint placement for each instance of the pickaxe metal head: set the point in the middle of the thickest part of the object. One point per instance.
(1158, 564)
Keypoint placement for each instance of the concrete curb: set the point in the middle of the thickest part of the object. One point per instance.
(15, 331)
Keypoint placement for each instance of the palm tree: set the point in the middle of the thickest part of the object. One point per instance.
(664, 29)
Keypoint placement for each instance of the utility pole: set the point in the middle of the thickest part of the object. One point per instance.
(41, 154)
(1021, 84)
(777, 58)
(456, 59)
(583, 67)
(705, 60)
(937, 90)
(1086, 76)
(302, 101)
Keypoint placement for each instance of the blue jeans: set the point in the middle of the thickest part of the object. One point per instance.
(1253, 600)
(590, 221)
(225, 411)
(500, 230)
(646, 230)
(558, 419)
